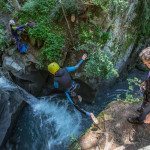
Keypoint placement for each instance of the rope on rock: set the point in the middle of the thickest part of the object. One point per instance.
(67, 22)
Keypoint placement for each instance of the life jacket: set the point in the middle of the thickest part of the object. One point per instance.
(64, 79)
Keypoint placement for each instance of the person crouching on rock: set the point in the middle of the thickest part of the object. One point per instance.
(63, 82)
(145, 87)
(16, 31)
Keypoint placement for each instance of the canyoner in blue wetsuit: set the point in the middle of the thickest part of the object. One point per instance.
(63, 82)
(15, 31)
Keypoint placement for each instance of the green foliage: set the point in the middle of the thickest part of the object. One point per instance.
(53, 43)
(51, 49)
(69, 6)
(131, 99)
(131, 95)
(91, 33)
(133, 83)
(92, 39)
(45, 30)
(2, 39)
(100, 65)
(40, 31)
(5, 6)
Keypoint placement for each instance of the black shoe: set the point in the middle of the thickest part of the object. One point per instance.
(134, 120)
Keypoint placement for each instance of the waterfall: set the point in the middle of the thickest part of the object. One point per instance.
(52, 119)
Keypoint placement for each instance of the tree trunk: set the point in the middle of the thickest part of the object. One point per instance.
(16, 4)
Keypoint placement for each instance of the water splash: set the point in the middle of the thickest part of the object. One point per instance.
(5, 84)
(66, 124)
(52, 120)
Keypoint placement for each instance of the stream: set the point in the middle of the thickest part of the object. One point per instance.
(51, 123)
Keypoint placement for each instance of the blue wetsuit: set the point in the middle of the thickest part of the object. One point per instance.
(67, 91)
(14, 31)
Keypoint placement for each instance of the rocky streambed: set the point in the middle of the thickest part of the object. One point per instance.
(114, 132)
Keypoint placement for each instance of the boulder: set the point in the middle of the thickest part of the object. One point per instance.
(23, 71)
(11, 103)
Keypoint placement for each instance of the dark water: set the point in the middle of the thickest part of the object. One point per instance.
(51, 123)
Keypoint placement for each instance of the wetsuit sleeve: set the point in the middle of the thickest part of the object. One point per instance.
(74, 68)
(56, 85)
(19, 27)
(76, 106)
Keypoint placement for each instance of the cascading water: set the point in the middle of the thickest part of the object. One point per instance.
(49, 123)
(55, 124)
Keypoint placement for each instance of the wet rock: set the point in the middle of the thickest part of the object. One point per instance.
(11, 103)
(23, 71)
(13, 65)
(5, 117)
(89, 141)
(114, 132)
(86, 92)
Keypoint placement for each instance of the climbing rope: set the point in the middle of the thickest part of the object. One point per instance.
(67, 21)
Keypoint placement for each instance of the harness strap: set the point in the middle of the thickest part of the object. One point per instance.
(73, 87)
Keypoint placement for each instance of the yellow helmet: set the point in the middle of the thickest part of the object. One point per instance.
(53, 67)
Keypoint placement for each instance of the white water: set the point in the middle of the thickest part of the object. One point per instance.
(57, 124)
(66, 124)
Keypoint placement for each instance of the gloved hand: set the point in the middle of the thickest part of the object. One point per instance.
(30, 24)
(84, 57)
(94, 119)
(26, 24)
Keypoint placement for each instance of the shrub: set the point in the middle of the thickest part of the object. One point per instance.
(130, 94)
(100, 65)
(89, 33)
(92, 39)
(99, 62)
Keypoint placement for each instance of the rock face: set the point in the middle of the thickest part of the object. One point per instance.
(114, 132)
(11, 102)
(24, 72)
